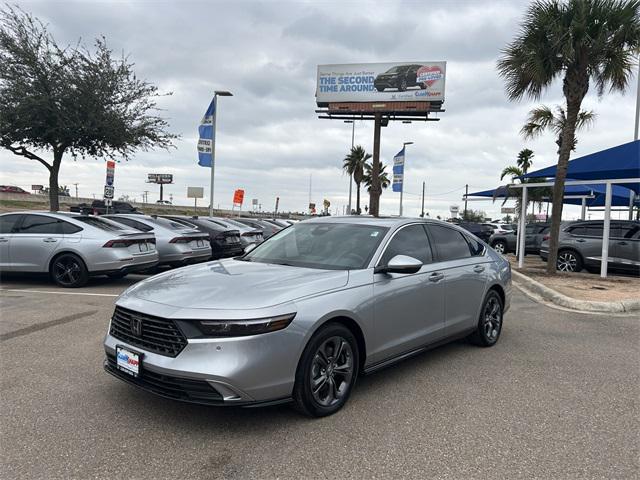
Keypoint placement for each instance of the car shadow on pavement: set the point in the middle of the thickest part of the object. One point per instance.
(43, 281)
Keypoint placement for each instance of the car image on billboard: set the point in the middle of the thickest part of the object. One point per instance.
(416, 81)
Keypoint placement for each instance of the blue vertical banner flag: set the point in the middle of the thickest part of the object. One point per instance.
(205, 139)
(398, 171)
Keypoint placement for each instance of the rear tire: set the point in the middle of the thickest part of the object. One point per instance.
(500, 246)
(490, 322)
(69, 271)
(327, 371)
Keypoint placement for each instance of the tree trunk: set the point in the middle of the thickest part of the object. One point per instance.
(575, 87)
(54, 190)
(376, 190)
(358, 198)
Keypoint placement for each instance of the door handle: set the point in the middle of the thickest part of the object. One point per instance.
(50, 240)
(4, 240)
(436, 277)
(478, 269)
(622, 243)
(581, 240)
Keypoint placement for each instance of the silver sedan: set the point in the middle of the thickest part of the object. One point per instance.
(71, 247)
(300, 316)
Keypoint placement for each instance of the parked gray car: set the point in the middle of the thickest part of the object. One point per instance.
(300, 316)
(71, 247)
(248, 235)
(506, 242)
(580, 246)
(268, 229)
(177, 244)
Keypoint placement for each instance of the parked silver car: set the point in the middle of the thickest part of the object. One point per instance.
(300, 316)
(71, 247)
(580, 246)
(177, 244)
(248, 235)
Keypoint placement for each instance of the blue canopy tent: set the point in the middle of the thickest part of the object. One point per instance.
(612, 167)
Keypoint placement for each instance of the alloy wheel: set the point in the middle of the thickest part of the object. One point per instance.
(567, 262)
(332, 370)
(499, 247)
(492, 319)
(67, 270)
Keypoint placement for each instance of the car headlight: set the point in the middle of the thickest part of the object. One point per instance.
(239, 328)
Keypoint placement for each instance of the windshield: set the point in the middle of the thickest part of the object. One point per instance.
(320, 245)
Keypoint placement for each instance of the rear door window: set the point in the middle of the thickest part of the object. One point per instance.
(8, 223)
(450, 243)
(100, 223)
(132, 223)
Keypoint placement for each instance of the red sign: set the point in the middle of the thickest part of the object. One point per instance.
(238, 197)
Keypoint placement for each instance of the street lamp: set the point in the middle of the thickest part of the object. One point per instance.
(403, 162)
(216, 94)
(353, 131)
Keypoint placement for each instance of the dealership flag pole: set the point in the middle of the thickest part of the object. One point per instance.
(213, 149)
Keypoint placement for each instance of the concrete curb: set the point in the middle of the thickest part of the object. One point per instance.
(558, 298)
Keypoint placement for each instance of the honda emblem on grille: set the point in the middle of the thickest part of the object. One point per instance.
(136, 326)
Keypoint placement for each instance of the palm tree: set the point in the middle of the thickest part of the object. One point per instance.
(579, 41)
(543, 118)
(354, 164)
(525, 159)
(367, 178)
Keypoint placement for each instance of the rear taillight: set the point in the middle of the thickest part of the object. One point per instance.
(248, 234)
(117, 244)
(546, 237)
(179, 240)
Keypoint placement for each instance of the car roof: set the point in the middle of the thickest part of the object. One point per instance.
(388, 222)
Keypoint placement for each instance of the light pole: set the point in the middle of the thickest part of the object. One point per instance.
(216, 94)
(404, 145)
(353, 131)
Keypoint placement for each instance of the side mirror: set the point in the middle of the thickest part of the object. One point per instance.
(250, 247)
(400, 264)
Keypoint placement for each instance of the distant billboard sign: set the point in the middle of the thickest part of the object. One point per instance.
(508, 210)
(238, 197)
(386, 82)
(195, 192)
(161, 178)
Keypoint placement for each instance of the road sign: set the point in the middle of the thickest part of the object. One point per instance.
(108, 191)
(238, 197)
(108, 202)
(161, 178)
(111, 167)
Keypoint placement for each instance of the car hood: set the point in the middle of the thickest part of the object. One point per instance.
(233, 284)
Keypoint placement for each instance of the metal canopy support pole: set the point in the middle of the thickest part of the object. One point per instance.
(523, 226)
(213, 149)
(632, 197)
(584, 208)
(423, 188)
(605, 232)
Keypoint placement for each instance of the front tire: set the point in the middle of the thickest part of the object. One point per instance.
(500, 247)
(569, 261)
(69, 271)
(489, 326)
(327, 371)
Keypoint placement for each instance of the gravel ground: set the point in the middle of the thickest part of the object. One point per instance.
(558, 397)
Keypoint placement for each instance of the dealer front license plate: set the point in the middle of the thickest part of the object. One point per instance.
(128, 361)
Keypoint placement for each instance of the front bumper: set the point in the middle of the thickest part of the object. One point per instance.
(252, 370)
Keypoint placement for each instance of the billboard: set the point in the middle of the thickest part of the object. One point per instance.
(161, 178)
(238, 197)
(387, 82)
(195, 192)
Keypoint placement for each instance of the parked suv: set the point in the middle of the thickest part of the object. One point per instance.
(483, 232)
(580, 246)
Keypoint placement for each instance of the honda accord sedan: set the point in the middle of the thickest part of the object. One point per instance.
(301, 316)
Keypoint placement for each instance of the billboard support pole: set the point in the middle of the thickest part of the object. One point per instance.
(374, 197)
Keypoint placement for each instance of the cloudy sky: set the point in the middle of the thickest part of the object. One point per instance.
(270, 140)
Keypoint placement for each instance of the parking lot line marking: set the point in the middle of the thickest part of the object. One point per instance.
(59, 293)
(41, 326)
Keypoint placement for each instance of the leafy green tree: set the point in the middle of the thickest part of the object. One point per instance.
(68, 99)
(543, 118)
(470, 215)
(535, 195)
(578, 41)
(368, 180)
(354, 164)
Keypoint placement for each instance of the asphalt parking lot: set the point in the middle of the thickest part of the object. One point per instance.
(558, 397)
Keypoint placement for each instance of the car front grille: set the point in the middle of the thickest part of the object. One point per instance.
(155, 334)
(177, 388)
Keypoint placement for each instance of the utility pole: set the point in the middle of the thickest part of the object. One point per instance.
(423, 187)
(76, 185)
(145, 196)
(466, 193)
